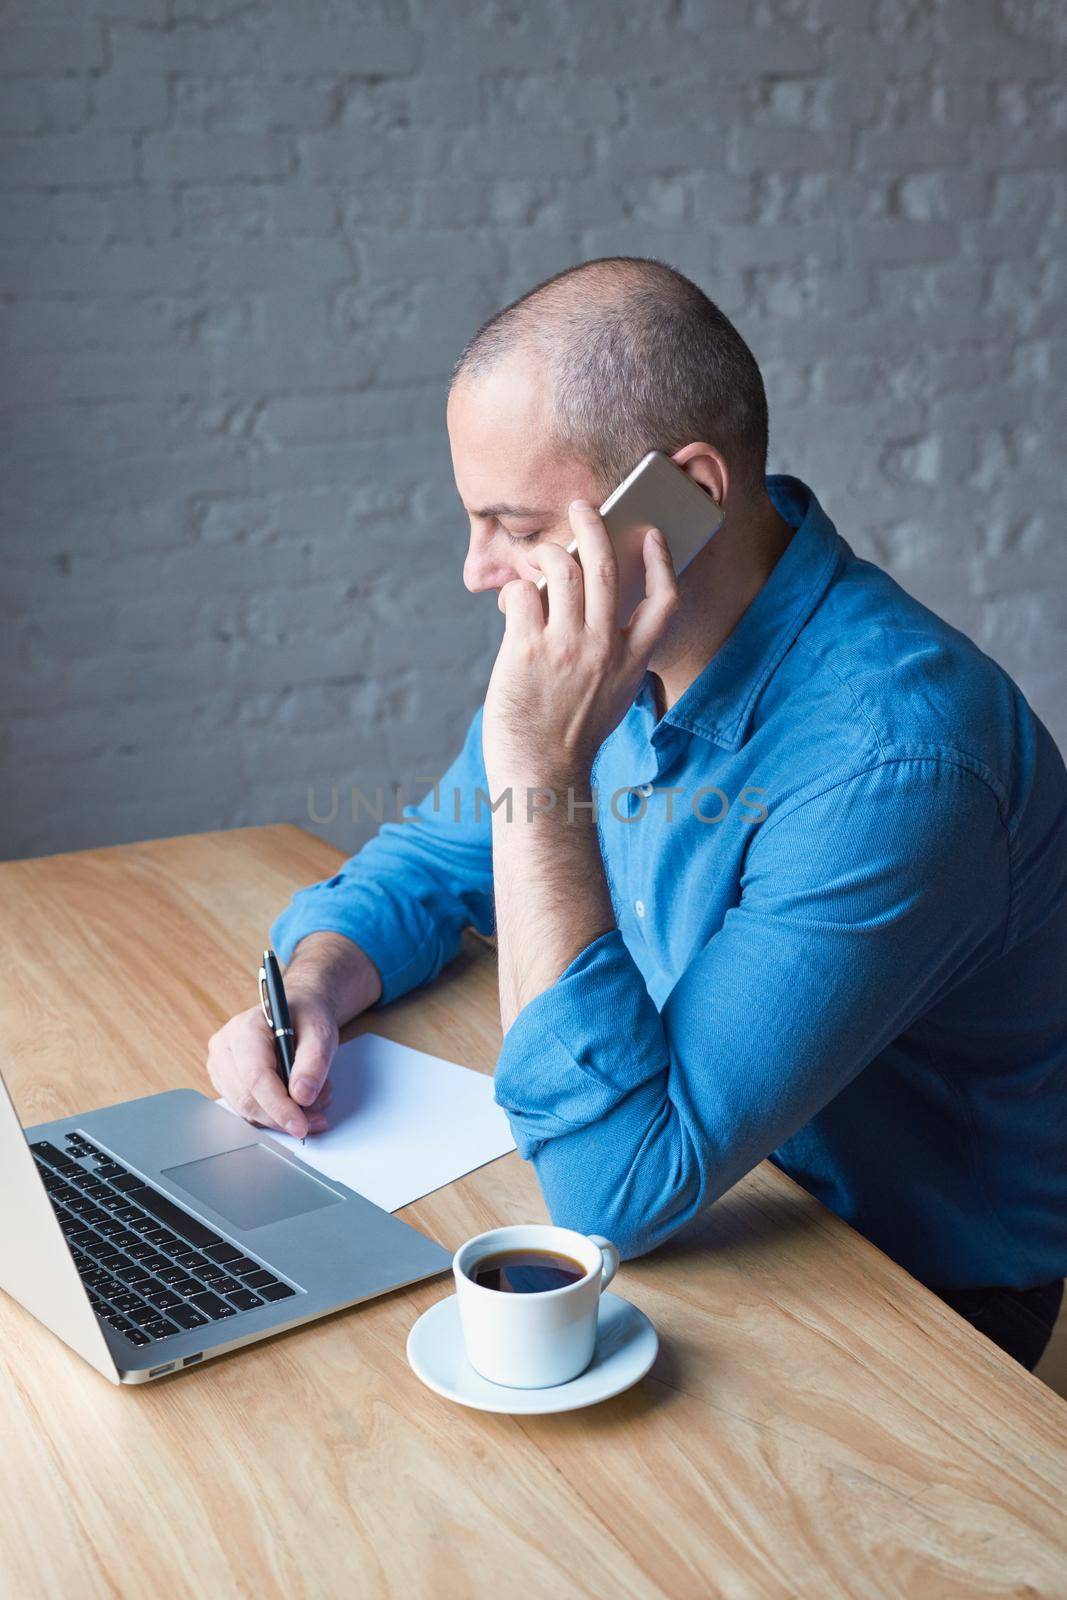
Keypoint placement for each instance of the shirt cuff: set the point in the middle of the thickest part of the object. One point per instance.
(580, 1047)
(402, 964)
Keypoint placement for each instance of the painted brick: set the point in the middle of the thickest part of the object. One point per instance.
(244, 244)
(51, 48)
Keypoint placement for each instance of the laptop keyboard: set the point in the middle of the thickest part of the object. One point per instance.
(150, 1269)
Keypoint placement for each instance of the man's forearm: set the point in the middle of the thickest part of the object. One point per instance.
(551, 893)
(336, 970)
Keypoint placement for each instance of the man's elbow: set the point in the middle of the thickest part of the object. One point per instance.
(634, 1219)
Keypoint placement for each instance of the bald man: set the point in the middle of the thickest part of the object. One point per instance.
(779, 868)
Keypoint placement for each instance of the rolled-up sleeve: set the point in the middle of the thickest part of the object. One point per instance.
(859, 906)
(407, 895)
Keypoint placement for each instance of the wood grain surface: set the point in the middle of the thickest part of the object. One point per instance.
(816, 1423)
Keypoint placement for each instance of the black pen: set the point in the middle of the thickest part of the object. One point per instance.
(276, 1010)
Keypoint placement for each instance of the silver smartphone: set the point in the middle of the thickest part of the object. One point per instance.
(657, 494)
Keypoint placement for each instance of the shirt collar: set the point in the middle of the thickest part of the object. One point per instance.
(720, 701)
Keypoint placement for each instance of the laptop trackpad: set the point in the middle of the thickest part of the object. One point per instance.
(252, 1186)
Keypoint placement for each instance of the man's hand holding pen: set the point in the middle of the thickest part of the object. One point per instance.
(329, 981)
(243, 1066)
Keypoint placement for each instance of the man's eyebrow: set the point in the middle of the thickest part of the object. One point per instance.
(504, 510)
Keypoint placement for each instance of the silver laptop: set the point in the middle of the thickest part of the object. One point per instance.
(152, 1235)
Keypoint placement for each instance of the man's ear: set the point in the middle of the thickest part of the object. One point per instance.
(705, 466)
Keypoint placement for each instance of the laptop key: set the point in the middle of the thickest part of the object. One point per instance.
(242, 1265)
(125, 1301)
(190, 1258)
(142, 1314)
(156, 1260)
(259, 1279)
(49, 1153)
(160, 1328)
(162, 1298)
(138, 1336)
(128, 1181)
(224, 1286)
(177, 1220)
(212, 1305)
(186, 1286)
(222, 1251)
(139, 1251)
(212, 1272)
(172, 1275)
(276, 1291)
(244, 1299)
(187, 1316)
(167, 1240)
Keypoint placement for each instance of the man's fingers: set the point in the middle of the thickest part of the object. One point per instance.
(566, 599)
(600, 568)
(315, 1046)
(317, 1122)
(243, 1066)
(520, 601)
(652, 615)
(268, 1091)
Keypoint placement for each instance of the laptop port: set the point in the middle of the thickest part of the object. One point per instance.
(154, 1372)
(190, 1361)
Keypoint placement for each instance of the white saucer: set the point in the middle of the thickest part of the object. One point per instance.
(626, 1347)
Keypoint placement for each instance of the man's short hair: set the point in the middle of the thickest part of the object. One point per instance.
(639, 359)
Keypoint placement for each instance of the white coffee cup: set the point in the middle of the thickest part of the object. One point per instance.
(532, 1341)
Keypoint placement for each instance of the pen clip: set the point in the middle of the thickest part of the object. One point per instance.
(263, 998)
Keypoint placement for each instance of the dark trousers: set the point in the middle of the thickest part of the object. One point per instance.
(1019, 1320)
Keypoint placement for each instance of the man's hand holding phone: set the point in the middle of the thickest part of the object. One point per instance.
(563, 682)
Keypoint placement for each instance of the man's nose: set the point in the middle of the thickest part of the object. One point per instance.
(484, 569)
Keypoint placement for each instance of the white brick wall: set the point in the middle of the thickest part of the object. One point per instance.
(242, 244)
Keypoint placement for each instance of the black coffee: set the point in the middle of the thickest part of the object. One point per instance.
(526, 1271)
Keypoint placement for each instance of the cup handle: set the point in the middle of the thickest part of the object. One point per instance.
(611, 1258)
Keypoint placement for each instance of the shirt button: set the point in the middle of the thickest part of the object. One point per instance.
(645, 789)
(639, 907)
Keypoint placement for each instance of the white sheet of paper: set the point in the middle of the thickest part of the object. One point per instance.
(402, 1123)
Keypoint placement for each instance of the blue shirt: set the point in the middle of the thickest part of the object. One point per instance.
(841, 941)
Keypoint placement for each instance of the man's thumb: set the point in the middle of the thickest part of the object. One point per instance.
(314, 1052)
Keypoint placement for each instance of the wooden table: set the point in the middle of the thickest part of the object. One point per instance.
(816, 1423)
